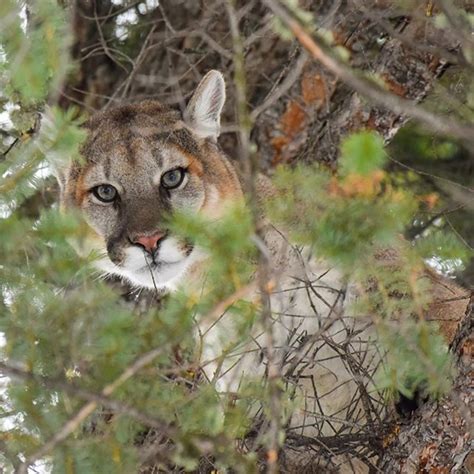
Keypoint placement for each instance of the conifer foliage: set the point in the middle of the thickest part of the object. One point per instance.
(92, 383)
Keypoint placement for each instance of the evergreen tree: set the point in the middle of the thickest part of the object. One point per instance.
(94, 382)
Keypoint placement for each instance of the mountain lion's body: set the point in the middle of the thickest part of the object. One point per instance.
(144, 161)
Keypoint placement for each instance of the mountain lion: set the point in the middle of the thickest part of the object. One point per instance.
(144, 161)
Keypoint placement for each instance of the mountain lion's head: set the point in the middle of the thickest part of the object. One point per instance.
(141, 163)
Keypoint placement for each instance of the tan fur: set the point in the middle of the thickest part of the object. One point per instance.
(131, 147)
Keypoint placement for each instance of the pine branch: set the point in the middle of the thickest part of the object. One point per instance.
(97, 398)
(72, 424)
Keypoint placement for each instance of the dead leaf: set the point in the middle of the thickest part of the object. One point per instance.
(272, 456)
(357, 185)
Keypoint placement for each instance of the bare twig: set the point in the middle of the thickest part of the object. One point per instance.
(430, 175)
(460, 27)
(136, 64)
(278, 92)
(251, 169)
(104, 43)
(5, 153)
(367, 88)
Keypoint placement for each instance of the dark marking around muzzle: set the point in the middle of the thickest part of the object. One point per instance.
(116, 244)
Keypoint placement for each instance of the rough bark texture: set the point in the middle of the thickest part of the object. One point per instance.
(300, 112)
(322, 110)
(438, 438)
(305, 109)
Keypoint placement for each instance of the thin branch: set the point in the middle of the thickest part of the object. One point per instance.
(459, 26)
(104, 43)
(5, 153)
(378, 18)
(112, 14)
(138, 61)
(430, 175)
(275, 94)
(73, 423)
(251, 170)
(75, 391)
(369, 89)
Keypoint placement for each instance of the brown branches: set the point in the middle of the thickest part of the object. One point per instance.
(251, 170)
(78, 392)
(290, 77)
(73, 423)
(369, 89)
(124, 87)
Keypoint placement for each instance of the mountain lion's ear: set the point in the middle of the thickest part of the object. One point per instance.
(203, 113)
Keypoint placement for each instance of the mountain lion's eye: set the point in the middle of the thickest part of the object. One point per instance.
(105, 193)
(173, 178)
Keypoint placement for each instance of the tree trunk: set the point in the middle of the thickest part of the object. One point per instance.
(301, 112)
(437, 439)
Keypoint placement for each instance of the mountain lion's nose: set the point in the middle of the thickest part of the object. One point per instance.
(149, 242)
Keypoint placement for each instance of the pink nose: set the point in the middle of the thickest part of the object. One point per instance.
(149, 242)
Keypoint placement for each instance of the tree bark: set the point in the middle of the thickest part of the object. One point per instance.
(438, 437)
(401, 50)
(301, 112)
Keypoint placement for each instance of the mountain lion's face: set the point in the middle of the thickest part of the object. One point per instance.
(142, 163)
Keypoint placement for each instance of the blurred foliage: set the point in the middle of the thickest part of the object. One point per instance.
(441, 173)
(34, 60)
(57, 319)
(362, 212)
(61, 321)
(352, 220)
